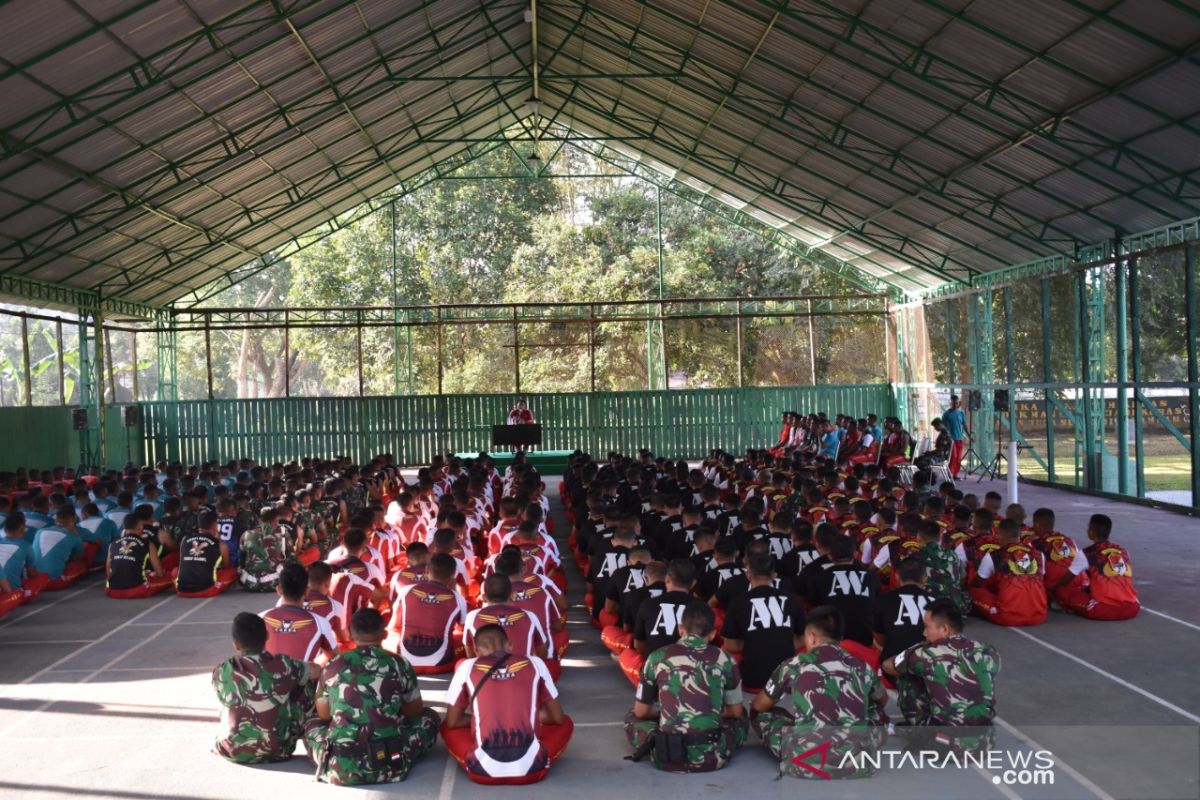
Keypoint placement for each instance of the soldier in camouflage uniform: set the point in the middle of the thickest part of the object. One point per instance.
(264, 551)
(946, 684)
(371, 726)
(945, 575)
(699, 721)
(837, 706)
(331, 508)
(264, 697)
(356, 492)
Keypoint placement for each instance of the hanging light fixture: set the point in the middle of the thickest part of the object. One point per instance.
(533, 104)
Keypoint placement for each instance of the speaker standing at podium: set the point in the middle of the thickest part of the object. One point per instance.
(521, 415)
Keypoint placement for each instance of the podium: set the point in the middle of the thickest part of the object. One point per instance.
(516, 435)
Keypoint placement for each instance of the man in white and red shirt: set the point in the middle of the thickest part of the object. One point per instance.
(355, 583)
(404, 515)
(510, 519)
(504, 723)
(292, 630)
(376, 571)
(538, 595)
(422, 627)
(524, 630)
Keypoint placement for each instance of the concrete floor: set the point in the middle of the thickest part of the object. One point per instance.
(112, 699)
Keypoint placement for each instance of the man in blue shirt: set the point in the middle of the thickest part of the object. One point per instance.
(873, 427)
(58, 550)
(17, 568)
(830, 441)
(956, 425)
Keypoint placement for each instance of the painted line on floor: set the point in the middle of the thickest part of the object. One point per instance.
(1167, 704)
(1191, 625)
(139, 645)
(24, 718)
(105, 637)
(35, 642)
(448, 776)
(1075, 774)
(40, 608)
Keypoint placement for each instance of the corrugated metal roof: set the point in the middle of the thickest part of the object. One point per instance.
(148, 146)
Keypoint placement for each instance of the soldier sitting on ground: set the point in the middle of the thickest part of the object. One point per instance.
(371, 725)
(837, 706)
(264, 697)
(946, 684)
(699, 721)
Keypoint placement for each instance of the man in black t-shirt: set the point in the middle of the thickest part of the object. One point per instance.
(727, 566)
(132, 568)
(765, 625)
(623, 581)
(204, 564)
(609, 557)
(804, 552)
(848, 586)
(657, 622)
(738, 585)
(619, 638)
(900, 613)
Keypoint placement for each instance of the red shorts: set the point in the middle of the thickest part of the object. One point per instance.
(71, 573)
(461, 744)
(607, 619)
(631, 664)
(10, 600)
(34, 585)
(169, 562)
(616, 639)
(151, 587)
(225, 579)
(309, 557)
(560, 639)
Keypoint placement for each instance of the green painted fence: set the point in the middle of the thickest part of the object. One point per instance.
(678, 423)
(41, 437)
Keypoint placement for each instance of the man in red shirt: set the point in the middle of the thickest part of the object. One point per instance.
(524, 630)
(1009, 588)
(422, 628)
(292, 630)
(1109, 593)
(515, 728)
(319, 601)
(521, 415)
(352, 585)
(1065, 562)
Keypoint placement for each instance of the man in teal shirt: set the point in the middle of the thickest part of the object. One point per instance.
(16, 559)
(58, 550)
(956, 425)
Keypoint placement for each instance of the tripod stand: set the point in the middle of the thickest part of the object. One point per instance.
(994, 468)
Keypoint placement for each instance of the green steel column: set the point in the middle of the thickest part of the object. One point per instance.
(656, 343)
(1092, 302)
(1079, 306)
(101, 452)
(900, 388)
(87, 387)
(397, 371)
(165, 357)
(1135, 355)
(1122, 410)
(1048, 377)
(983, 373)
(1193, 332)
